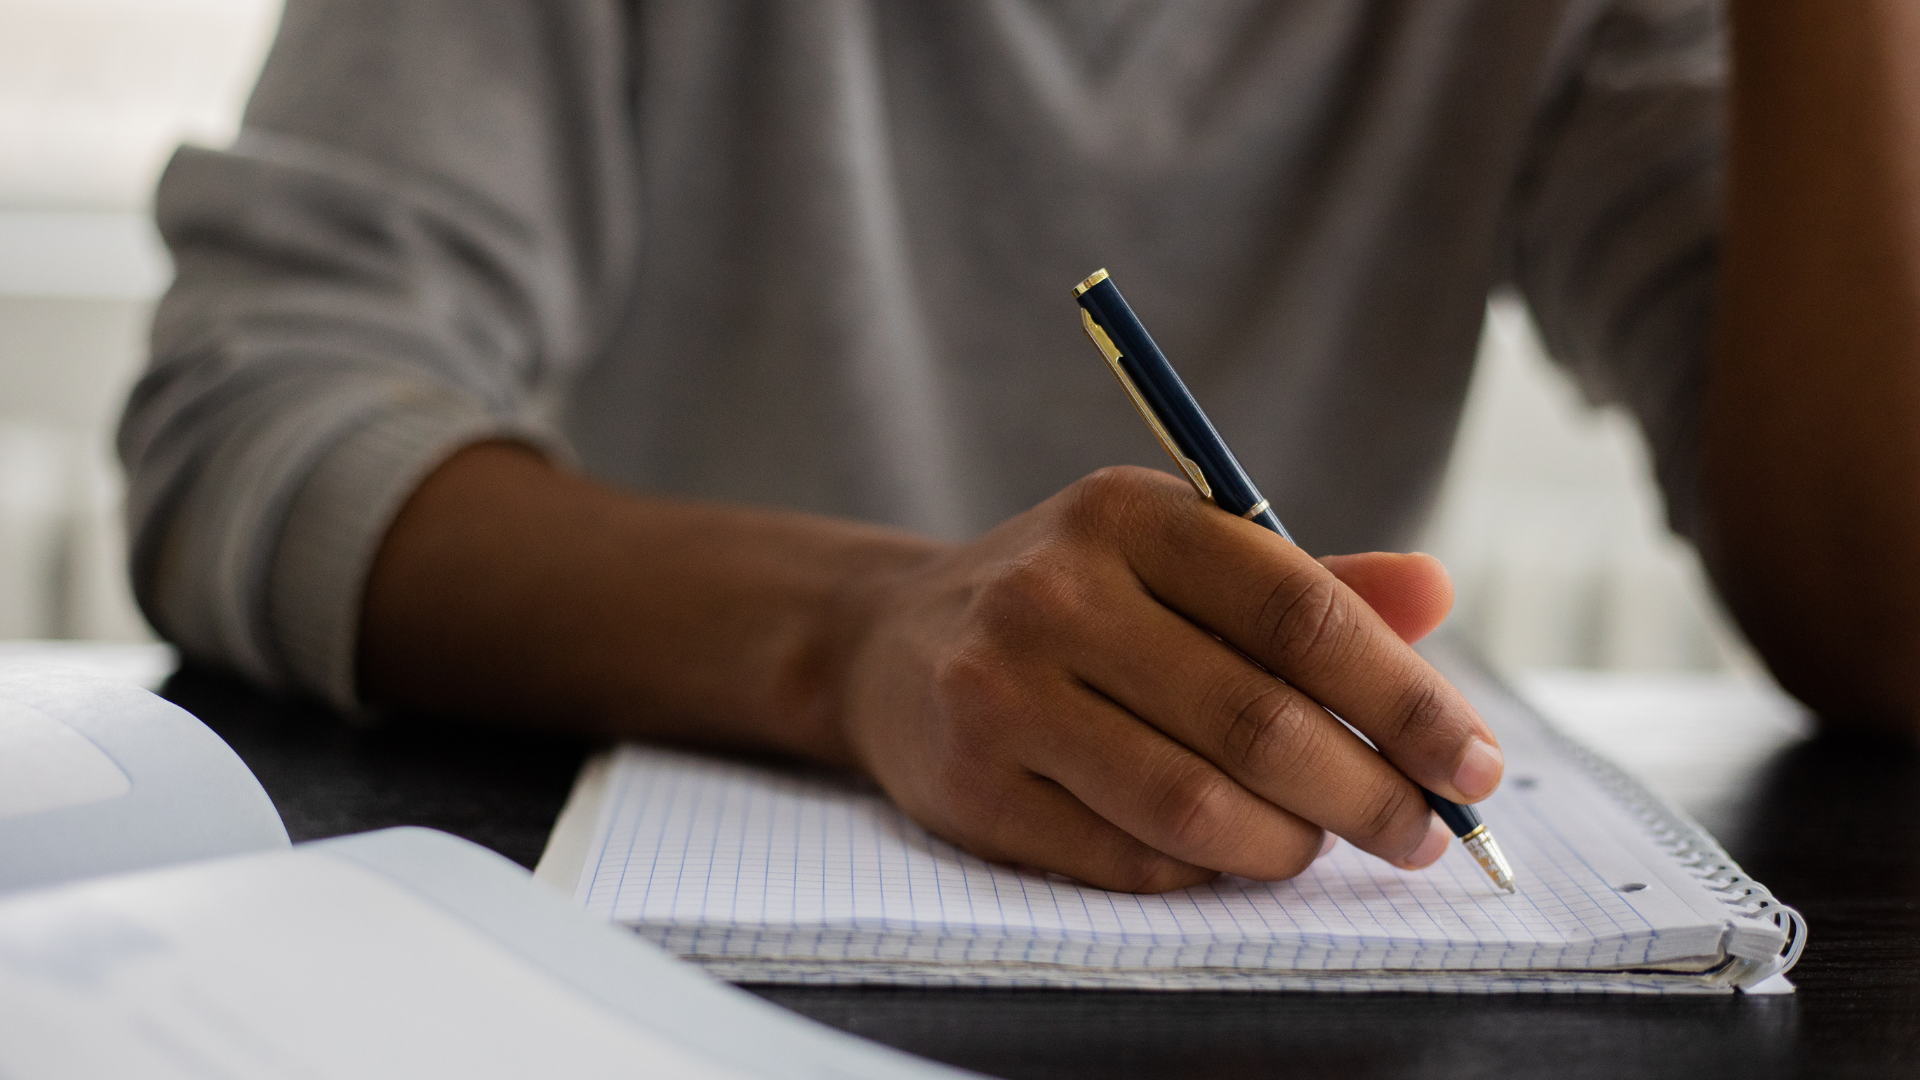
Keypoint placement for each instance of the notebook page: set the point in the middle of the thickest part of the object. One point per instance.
(748, 868)
(717, 858)
(257, 967)
(98, 776)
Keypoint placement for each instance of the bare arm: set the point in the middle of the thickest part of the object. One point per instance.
(1811, 429)
(510, 590)
(1057, 693)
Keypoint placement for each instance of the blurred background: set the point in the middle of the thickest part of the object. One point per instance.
(1549, 520)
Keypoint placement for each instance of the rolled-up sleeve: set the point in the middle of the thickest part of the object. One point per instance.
(426, 222)
(1618, 222)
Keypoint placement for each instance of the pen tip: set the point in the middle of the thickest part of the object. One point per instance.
(1486, 851)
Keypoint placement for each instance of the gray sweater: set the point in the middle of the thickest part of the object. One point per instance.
(818, 255)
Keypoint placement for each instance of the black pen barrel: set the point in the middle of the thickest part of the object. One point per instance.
(1153, 376)
(1183, 428)
(1461, 819)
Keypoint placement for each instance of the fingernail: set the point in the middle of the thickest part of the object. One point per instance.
(1326, 845)
(1479, 770)
(1430, 849)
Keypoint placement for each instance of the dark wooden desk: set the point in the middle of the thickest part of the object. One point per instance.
(1832, 826)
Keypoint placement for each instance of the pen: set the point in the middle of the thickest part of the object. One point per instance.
(1188, 436)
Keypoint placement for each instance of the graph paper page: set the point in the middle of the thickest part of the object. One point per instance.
(722, 858)
(758, 858)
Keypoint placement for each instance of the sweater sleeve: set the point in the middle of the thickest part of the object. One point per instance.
(425, 223)
(1618, 222)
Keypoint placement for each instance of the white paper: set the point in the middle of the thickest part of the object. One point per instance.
(45, 765)
(98, 776)
(771, 874)
(293, 965)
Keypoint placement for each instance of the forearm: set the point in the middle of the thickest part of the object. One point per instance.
(509, 589)
(1072, 690)
(1810, 513)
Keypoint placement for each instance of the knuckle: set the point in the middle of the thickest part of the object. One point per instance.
(1395, 810)
(1421, 714)
(1302, 619)
(1264, 733)
(1195, 811)
(968, 673)
(1031, 594)
(975, 686)
(1111, 496)
(1285, 748)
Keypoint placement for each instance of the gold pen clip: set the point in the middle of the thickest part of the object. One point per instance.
(1105, 344)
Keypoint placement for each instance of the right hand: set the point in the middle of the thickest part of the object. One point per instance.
(1126, 685)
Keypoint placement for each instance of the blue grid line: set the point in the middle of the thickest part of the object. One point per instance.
(905, 892)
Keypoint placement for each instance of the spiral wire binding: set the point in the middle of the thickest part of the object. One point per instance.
(1671, 829)
(1689, 844)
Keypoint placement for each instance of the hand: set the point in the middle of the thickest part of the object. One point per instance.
(1125, 685)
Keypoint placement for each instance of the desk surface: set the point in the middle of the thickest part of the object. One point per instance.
(1832, 826)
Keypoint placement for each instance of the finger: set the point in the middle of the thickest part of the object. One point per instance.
(1296, 619)
(1263, 734)
(1411, 593)
(1042, 825)
(1167, 796)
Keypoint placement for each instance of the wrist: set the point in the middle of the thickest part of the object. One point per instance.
(816, 691)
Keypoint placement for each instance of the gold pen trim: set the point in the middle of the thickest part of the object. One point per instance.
(1105, 344)
(1097, 277)
(1486, 851)
(1259, 508)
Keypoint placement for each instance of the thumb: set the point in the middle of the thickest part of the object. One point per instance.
(1411, 592)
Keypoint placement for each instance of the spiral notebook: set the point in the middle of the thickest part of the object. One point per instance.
(766, 874)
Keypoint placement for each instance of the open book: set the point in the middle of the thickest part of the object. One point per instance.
(765, 874)
(154, 922)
